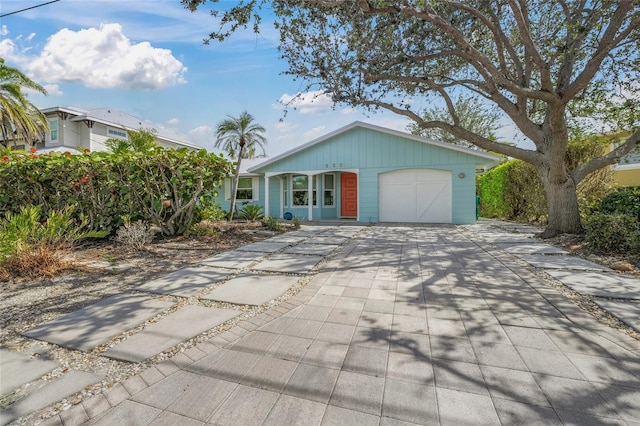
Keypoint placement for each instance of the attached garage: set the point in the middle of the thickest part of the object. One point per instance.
(370, 174)
(415, 195)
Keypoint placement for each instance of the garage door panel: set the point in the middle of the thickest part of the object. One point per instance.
(433, 202)
(415, 195)
(398, 195)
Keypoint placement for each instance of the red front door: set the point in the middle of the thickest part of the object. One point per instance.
(349, 197)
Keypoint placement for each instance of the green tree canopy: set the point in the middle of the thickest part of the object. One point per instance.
(546, 64)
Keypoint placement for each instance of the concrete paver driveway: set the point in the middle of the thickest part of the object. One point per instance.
(421, 325)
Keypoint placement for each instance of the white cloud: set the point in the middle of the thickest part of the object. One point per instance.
(8, 50)
(313, 102)
(283, 126)
(201, 135)
(3, 30)
(155, 21)
(173, 120)
(53, 89)
(30, 37)
(105, 58)
(314, 132)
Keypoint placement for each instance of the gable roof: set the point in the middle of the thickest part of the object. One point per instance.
(250, 163)
(485, 159)
(114, 118)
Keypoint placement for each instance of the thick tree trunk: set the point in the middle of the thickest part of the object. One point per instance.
(564, 215)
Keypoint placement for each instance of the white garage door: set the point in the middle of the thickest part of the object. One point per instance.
(415, 195)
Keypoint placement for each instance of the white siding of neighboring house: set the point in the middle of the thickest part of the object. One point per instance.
(74, 134)
(99, 137)
(70, 134)
(77, 134)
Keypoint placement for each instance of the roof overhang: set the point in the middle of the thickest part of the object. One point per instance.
(484, 159)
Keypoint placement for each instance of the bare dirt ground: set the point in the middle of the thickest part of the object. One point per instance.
(576, 246)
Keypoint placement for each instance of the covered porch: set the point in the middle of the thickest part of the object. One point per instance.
(313, 194)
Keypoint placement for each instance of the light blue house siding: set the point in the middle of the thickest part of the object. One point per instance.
(370, 151)
(222, 197)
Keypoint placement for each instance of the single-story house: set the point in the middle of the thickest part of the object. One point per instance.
(367, 173)
(72, 129)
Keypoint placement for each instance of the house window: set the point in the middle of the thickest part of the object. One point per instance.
(329, 190)
(247, 189)
(53, 130)
(118, 134)
(300, 190)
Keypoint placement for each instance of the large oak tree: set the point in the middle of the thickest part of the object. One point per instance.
(546, 64)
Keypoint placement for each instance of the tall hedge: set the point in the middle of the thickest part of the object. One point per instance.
(514, 190)
(158, 186)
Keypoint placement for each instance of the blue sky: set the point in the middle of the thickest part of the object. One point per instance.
(147, 58)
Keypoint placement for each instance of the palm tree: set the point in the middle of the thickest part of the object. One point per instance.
(240, 138)
(19, 118)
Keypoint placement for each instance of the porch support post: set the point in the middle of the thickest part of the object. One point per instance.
(266, 195)
(282, 202)
(310, 197)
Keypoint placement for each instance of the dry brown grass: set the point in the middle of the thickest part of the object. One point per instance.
(39, 261)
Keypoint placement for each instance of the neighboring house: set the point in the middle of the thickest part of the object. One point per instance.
(73, 129)
(368, 173)
(627, 171)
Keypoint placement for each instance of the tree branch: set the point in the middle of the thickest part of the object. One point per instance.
(518, 115)
(484, 143)
(478, 60)
(606, 44)
(522, 20)
(611, 158)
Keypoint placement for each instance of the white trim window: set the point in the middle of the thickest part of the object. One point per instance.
(54, 131)
(300, 191)
(248, 188)
(329, 190)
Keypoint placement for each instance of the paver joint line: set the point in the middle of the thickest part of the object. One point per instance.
(419, 324)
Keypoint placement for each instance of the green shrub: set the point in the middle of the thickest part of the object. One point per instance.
(490, 188)
(160, 186)
(208, 209)
(202, 229)
(617, 233)
(514, 190)
(525, 196)
(271, 224)
(251, 212)
(297, 222)
(622, 201)
(33, 245)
